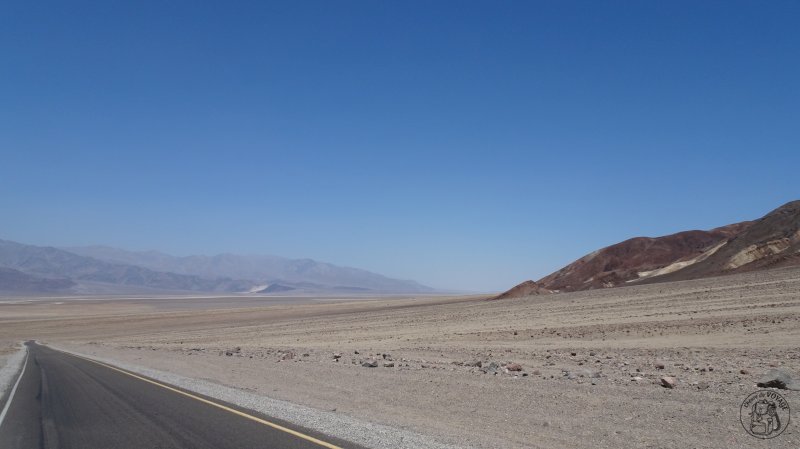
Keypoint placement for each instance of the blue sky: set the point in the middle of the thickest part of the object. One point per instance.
(467, 145)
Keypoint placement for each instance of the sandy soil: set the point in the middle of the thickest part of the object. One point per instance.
(715, 336)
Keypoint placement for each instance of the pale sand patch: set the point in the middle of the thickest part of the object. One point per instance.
(680, 264)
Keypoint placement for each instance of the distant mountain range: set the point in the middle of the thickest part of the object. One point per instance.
(28, 268)
(769, 242)
(15, 281)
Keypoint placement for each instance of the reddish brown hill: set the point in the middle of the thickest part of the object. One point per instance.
(527, 288)
(617, 264)
(769, 242)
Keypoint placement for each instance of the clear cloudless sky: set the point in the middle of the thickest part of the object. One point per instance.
(467, 145)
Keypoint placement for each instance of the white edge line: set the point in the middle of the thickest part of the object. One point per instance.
(14, 390)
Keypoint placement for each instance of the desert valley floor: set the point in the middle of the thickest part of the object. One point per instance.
(566, 370)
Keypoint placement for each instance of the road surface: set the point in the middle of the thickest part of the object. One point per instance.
(64, 401)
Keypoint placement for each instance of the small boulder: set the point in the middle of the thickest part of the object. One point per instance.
(669, 382)
(369, 363)
(659, 365)
(514, 367)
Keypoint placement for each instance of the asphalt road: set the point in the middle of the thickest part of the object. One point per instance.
(63, 401)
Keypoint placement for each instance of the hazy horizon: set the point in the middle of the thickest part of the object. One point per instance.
(463, 146)
(390, 275)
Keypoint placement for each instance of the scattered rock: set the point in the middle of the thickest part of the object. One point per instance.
(668, 382)
(477, 363)
(776, 378)
(744, 371)
(337, 356)
(369, 363)
(659, 365)
(491, 368)
(514, 367)
(388, 364)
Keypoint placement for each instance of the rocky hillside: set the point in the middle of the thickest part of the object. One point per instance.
(771, 241)
(636, 258)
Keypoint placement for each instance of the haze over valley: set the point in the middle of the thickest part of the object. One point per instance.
(102, 269)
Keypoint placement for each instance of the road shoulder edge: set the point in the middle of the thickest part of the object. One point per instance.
(10, 374)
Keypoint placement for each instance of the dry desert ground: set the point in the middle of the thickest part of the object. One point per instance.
(590, 363)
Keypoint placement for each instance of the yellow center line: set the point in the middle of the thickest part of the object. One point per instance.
(214, 404)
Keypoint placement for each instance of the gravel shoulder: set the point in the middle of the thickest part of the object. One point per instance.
(11, 359)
